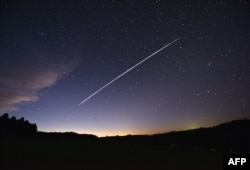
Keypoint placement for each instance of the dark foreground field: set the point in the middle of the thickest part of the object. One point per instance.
(200, 149)
(104, 154)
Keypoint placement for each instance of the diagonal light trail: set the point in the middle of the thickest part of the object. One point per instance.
(128, 70)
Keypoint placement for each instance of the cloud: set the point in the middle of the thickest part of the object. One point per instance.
(30, 66)
(10, 97)
(22, 84)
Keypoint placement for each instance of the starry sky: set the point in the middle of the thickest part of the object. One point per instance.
(54, 54)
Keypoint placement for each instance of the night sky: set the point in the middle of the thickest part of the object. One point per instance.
(54, 54)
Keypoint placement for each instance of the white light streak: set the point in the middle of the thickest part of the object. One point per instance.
(128, 70)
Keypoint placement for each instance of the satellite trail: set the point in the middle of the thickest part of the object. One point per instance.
(128, 70)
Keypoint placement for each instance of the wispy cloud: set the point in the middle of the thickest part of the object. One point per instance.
(22, 84)
(10, 97)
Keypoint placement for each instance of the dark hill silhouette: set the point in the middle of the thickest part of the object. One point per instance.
(23, 147)
(229, 137)
(65, 135)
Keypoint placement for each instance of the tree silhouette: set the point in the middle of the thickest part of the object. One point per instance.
(12, 127)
